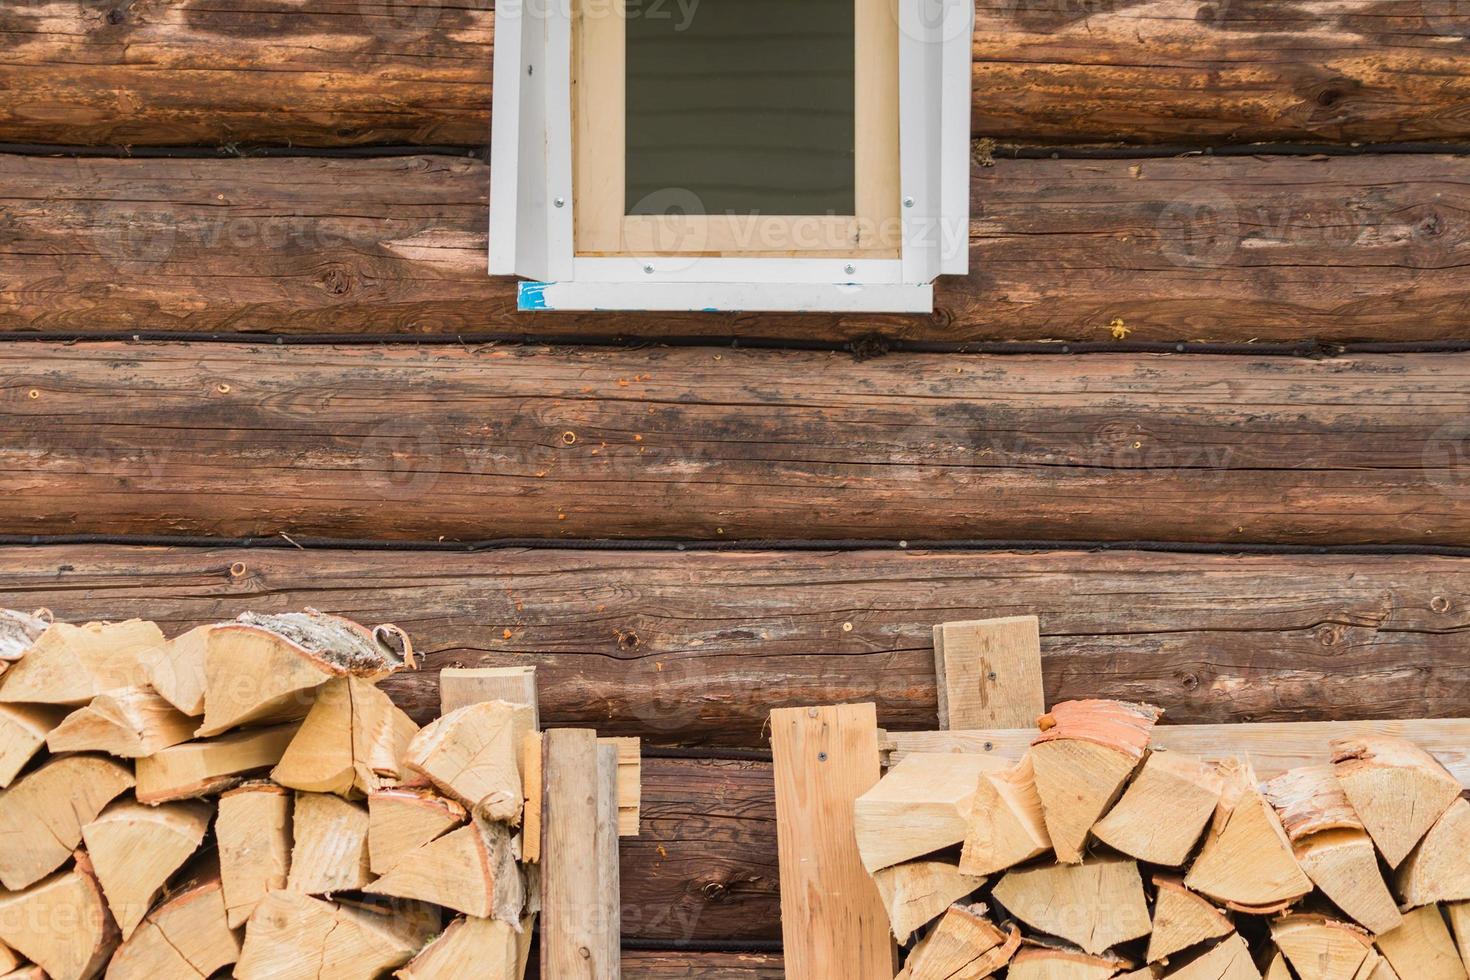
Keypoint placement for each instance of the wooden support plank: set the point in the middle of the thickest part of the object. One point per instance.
(579, 878)
(658, 643)
(601, 443)
(419, 71)
(1226, 249)
(461, 686)
(833, 920)
(1272, 749)
(988, 673)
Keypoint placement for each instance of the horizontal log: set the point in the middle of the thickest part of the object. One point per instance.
(346, 72)
(696, 647)
(452, 443)
(1224, 249)
(671, 965)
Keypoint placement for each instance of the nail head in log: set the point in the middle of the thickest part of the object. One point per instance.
(1082, 760)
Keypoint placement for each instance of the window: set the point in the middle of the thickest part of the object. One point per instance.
(730, 154)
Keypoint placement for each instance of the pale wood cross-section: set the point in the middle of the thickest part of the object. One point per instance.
(1422, 948)
(1163, 811)
(922, 804)
(23, 731)
(1436, 870)
(61, 924)
(964, 944)
(580, 906)
(129, 722)
(71, 665)
(1182, 919)
(1096, 905)
(352, 741)
(1246, 861)
(401, 820)
(187, 935)
(463, 686)
(471, 869)
(918, 892)
(42, 815)
(293, 936)
(329, 850)
(832, 918)
(253, 833)
(1006, 823)
(1396, 787)
(1319, 948)
(473, 755)
(1034, 963)
(136, 848)
(1230, 960)
(989, 673)
(486, 949)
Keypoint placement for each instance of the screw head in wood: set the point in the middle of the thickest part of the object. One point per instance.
(908, 202)
(560, 202)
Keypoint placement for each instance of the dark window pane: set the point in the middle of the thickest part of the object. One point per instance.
(740, 106)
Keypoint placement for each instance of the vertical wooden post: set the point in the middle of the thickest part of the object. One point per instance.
(989, 673)
(833, 922)
(580, 904)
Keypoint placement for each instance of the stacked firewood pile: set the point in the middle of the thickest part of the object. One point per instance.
(1094, 857)
(244, 797)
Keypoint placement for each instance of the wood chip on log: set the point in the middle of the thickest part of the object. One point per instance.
(353, 739)
(23, 731)
(267, 668)
(1006, 825)
(1246, 861)
(1082, 759)
(329, 845)
(965, 943)
(1182, 919)
(1164, 810)
(1397, 789)
(486, 949)
(1422, 947)
(1058, 964)
(293, 936)
(1320, 948)
(918, 892)
(471, 870)
(1228, 960)
(211, 766)
(129, 722)
(1096, 905)
(1437, 870)
(253, 832)
(134, 850)
(1332, 846)
(922, 805)
(186, 936)
(71, 665)
(402, 820)
(178, 672)
(61, 924)
(473, 756)
(42, 815)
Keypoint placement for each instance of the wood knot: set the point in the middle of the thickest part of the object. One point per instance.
(627, 640)
(1439, 604)
(1190, 682)
(237, 569)
(335, 281)
(1329, 636)
(115, 16)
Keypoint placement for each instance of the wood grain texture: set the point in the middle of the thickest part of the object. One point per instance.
(451, 443)
(696, 647)
(988, 672)
(579, 925)
(1213, 249)
(673, 965)
(347, 72)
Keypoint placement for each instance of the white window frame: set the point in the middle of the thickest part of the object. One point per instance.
(532, 198)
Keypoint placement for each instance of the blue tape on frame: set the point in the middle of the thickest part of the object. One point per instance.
(532, 296)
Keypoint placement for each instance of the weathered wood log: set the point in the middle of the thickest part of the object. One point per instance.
(1005, 445)
(189, 934)
(134, 850)
(658, 643)
(420, 72)
(253, 833)
(42, 815)
(918, 892)
(329, 851)
(1096, 905)
(1229, 249)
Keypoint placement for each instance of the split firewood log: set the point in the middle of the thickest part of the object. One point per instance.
(136, 848)
(1397, 789)
(1459, 915)
(487, 949)
(253, 831)
(9, 958)
(1096, 905)
(1422, 947)
(1227, 960)
(1182, 919)
(19, 631)
(130, 722)
(329, 848)
(71, 665)
(293, 936)
(23, 731)
(1246, 861)
(1082, 759)
(471, 870)
(1006, 825)
(402, 820)
(1376, 967)
(353, 738)
(267, 668)
(918, 892)
(1036, 963)
(30, 972)
(473, 755)
(188, 935)
(1276, 968)
(42, 815)
(211, 766)
(1163, 812)
(1149, 971)
(1437, 869)
(964, 944)
(1332, 846)
(61, 924)
(178, 671)
(1320, 948)
(922, 805)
